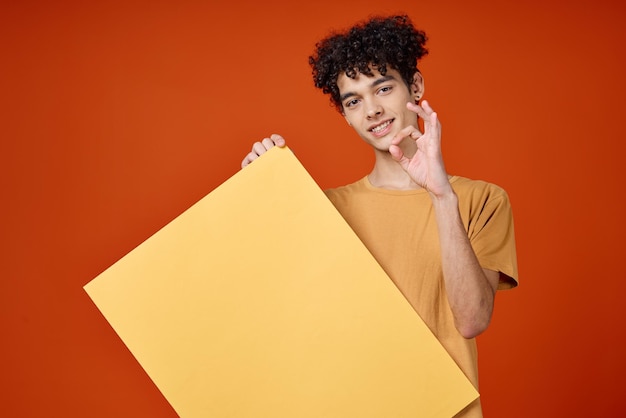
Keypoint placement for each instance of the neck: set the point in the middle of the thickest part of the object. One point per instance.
(388, 174)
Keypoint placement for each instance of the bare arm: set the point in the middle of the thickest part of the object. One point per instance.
(470, 288)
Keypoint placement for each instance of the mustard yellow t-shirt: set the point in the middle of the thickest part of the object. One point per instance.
(399, 229)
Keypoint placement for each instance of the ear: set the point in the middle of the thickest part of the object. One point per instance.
(417, 86)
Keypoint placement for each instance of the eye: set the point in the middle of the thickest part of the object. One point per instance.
(385, 89)
(351, 103)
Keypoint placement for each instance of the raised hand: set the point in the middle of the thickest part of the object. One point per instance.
(261, 147)
(425, 166)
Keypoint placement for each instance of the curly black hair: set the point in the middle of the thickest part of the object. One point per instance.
(379, 42)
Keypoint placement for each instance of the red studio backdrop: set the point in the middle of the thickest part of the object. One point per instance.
(117, 116)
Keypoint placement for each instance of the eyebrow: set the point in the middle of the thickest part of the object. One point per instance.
(375, 83)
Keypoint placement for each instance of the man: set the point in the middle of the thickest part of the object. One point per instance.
(447, 242)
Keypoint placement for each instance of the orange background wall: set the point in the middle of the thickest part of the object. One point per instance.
(117, 116)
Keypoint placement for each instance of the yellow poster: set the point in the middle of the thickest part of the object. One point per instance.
(260, 301)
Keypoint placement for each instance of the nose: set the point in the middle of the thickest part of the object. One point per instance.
(374, 110)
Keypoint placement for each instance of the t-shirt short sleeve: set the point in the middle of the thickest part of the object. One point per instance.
(489, 220)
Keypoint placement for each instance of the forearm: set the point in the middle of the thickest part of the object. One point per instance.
(470, 292)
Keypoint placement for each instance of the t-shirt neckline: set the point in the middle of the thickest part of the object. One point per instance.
(366, 182)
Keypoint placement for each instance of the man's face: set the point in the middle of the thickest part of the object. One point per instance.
(376, 106)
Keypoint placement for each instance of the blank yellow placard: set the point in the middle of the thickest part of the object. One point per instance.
(260, 301)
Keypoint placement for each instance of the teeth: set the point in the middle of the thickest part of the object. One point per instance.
(381, 127)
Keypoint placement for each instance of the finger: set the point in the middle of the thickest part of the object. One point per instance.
(434, 119)
(421, 112)
(398, 155)
(426, 106)
(248, 159)
(408, 131)
(432, 127)
(413, 107)
(260, 148)
(433, 122)
(272, 141)
(399, 137)
(267, 143)
(396, 152)
(278, 140)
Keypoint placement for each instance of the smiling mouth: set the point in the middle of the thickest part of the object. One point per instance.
(381, 127)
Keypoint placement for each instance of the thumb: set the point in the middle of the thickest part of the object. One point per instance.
(398, 155)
